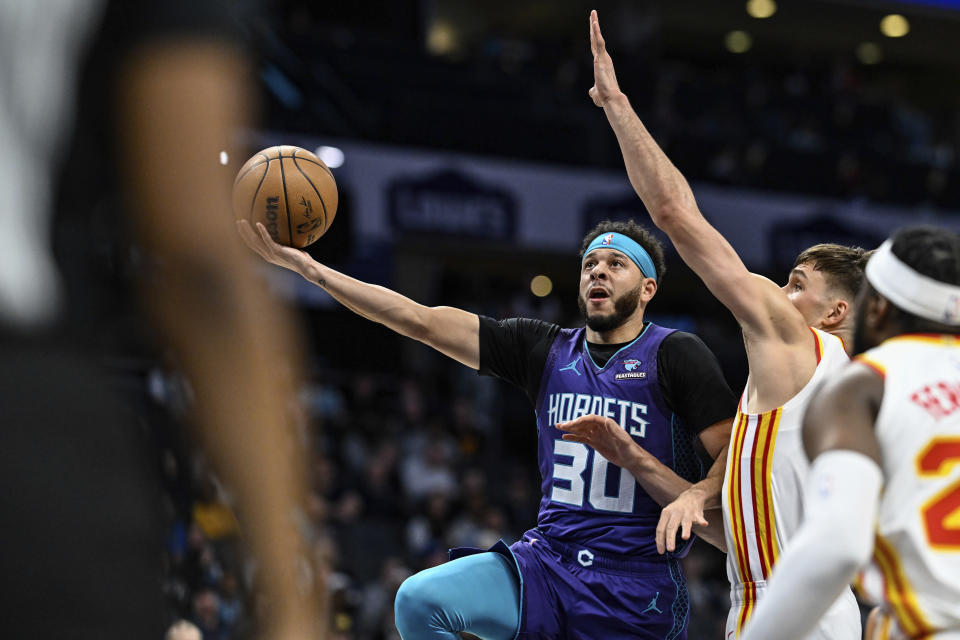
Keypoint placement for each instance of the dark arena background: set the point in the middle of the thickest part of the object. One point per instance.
(470, 162)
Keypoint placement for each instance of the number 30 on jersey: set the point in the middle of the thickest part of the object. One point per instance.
(574, 472)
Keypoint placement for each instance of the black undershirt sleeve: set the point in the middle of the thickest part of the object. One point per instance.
(693, 386)
(516, 350)
(692, 382)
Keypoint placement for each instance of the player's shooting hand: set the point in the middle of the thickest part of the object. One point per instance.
(605, 84)
(260, 241)
(682, 514)
(604, 435)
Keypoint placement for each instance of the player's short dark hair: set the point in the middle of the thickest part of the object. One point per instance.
(933, 252)
(636, 232)
(841, 266)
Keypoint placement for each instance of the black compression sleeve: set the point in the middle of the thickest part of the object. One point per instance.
(692, 382)
(516, 350)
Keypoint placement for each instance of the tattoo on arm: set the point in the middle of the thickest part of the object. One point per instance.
(321, 282)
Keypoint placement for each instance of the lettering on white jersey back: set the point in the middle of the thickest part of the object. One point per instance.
(940, 399)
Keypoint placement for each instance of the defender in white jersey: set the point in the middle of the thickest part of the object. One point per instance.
(884, 437)
(761, 499)
(763, 496)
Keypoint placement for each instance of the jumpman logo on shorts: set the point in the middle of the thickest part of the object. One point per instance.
(572, 366)
(653, 605)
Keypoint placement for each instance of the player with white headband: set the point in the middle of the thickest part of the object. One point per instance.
(884, 437)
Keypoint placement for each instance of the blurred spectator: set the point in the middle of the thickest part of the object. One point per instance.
(212, 514)
(232, 612)
(183, 630)
(376, 600)
(380, 483)
(427, 469)
(206, 615)
(427, 532)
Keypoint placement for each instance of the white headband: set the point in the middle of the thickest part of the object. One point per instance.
(912, 291)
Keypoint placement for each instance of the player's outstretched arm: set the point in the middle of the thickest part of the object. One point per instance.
(688, 511)
(840, 503)
(659, 481)
(756, 302)
(453, 332)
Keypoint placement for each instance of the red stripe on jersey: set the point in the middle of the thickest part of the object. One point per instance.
(817, 345)
(755, 495)
(766, 480)
(736, 507)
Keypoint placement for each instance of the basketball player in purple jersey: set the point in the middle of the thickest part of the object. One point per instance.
(590, 568)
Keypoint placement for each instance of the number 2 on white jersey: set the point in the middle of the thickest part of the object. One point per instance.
(941, 514)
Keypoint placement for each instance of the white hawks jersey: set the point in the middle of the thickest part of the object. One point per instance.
(762, 496)
(915, 570)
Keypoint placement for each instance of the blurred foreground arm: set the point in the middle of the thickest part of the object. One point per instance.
(181, 101)
(452, 332)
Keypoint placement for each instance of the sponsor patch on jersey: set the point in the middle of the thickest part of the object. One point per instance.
(630, 365)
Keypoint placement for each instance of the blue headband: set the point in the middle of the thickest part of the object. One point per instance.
(627, 246)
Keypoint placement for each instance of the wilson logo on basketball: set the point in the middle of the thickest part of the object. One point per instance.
(273, 208)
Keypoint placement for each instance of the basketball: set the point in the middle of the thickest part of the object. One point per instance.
(290, 191)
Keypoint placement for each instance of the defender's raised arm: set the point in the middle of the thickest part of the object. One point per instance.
(758, 304)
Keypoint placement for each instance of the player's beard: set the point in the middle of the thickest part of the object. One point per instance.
(623, 308)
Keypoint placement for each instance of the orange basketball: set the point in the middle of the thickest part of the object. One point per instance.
(288, 189)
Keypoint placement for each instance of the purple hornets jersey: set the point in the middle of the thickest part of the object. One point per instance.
(586, 498)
